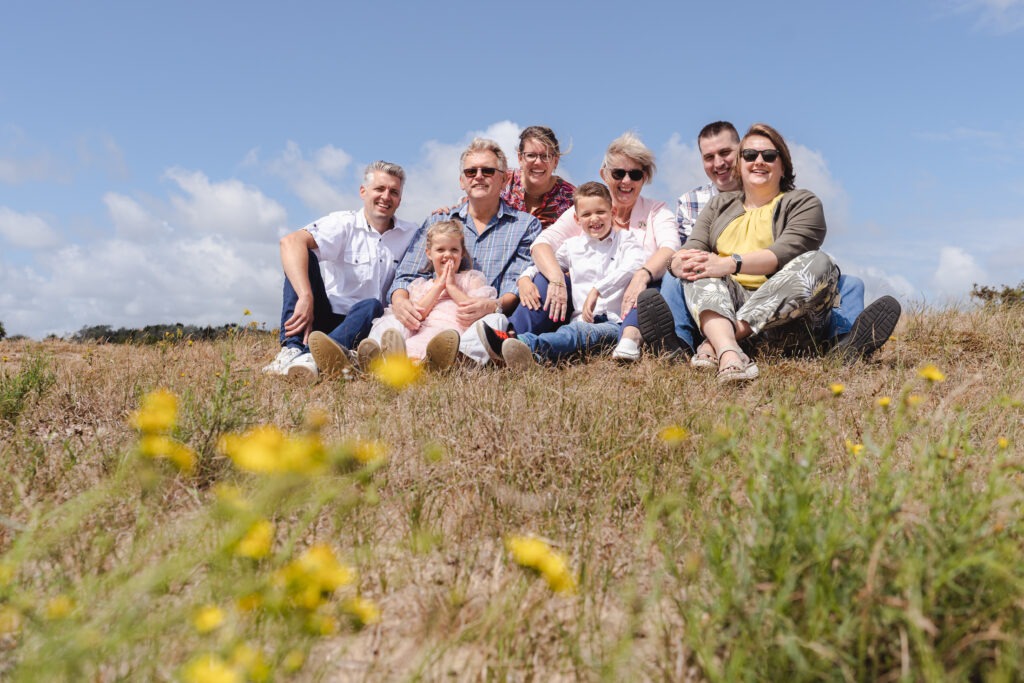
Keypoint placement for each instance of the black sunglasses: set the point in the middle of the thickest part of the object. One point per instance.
(636, 175)
(769, 155)
(487, 171)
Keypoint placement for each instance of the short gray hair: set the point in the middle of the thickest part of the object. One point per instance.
(383, 167)
(629, 145)
(485, 145)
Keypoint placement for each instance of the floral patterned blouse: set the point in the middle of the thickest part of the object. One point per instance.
(552, 205)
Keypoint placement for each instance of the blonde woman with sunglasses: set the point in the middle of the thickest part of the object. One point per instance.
(752, 265)
(628, 166)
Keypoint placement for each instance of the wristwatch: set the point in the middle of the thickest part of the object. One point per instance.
(739, 263)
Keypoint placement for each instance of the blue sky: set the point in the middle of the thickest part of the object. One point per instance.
(151, 154)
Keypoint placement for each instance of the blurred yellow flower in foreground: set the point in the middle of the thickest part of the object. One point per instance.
(294, 660)
(883, 402)
(369, 451)
(535, 554)
(162, 446)
(673, 435)
(252, 661)
(247, 312)
(931, 373)
(7, 572)
(1003, 443)
(363, 611)
(59, 607)
(157, 414)
(836, 389)
(913, 399)
(208, 618)
(267, 450)
(396, 371)
(312, 577)
(257, 541)
(210, 668)
(854, 448)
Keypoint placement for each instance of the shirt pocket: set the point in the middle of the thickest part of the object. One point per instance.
(359, 263)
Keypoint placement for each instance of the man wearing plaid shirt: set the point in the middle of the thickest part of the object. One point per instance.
(498, 238)
(857, 331)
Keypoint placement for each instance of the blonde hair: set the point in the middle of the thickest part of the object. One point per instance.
(449, 227)
(485, 145)
(630, 146)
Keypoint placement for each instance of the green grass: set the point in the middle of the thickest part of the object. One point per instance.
(793, 534)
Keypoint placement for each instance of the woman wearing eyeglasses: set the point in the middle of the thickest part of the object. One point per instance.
(628, 166)
(534, 187)
(752, 261)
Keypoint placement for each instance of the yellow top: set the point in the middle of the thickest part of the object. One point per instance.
(747, 233)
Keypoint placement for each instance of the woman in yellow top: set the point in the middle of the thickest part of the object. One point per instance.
(752, 261)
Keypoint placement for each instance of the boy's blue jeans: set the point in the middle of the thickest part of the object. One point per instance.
(572, 338)
(348, 330)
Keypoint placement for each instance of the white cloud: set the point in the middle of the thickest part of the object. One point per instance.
(225, 208)
(130, 218)
(680, 169)
(957, 271)
(26, 230)
(308, 178)
(812, 173)
(997, 16)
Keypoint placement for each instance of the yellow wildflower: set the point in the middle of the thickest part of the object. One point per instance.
(913, 399)
(854, 448)
(363, 611)
(1003, 443)
(230, 497)
(208, 618)
(210, 668)
(533, 553)
(266, 450)
(931, 373)
(397, 372)
(883, 402)
(673, 435)
(322, 624)
(293, 661)
(367, 452)
(59, 607)
(257, 541)
(247, 312)
(250, 602)
(836, 389)
(251, 660)
(313, 576)
(157, 414)
(10, 620)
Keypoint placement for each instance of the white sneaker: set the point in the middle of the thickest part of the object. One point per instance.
(303, 369)
(627, 350)
(279, 365)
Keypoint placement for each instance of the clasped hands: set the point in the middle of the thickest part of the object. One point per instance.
(694, 264)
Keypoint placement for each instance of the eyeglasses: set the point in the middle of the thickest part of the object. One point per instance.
(487, 171)
(535, 156)
(769, 155)
(636, 175)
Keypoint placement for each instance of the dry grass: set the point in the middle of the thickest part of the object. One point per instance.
(706, 560)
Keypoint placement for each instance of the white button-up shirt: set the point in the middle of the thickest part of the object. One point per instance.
(605, 265)
(356, 261)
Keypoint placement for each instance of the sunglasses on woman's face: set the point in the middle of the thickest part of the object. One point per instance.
(769, 155)
(487, 171)
(636, 175)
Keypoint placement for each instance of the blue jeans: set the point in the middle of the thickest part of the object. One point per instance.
(524, 319)
(851, 303)
(851, 293)
(632, 318)
(572, 338)
(686, 328)
(348, 330)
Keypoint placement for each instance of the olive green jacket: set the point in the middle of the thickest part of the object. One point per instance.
(798, 224)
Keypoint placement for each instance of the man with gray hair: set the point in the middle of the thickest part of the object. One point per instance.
(498, 239)
(337, 270)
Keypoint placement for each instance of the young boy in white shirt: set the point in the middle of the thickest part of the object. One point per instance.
(601, 263)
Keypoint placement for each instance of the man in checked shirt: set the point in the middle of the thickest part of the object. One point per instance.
(857, 332)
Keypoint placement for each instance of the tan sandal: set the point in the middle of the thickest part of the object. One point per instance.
(704, 360)
(739, 370)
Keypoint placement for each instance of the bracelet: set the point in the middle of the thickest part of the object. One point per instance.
(648, 271)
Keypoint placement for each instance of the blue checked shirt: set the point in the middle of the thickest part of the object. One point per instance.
(501, 251)
(689, 207)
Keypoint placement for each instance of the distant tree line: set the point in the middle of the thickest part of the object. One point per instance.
(152, 334)
(1003, 295)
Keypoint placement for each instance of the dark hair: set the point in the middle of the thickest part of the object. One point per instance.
(591, 189)
(541, 134)
(765, 131)
(713, 129)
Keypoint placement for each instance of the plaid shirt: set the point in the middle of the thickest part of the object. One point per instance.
(501, 251)
(690, 206)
